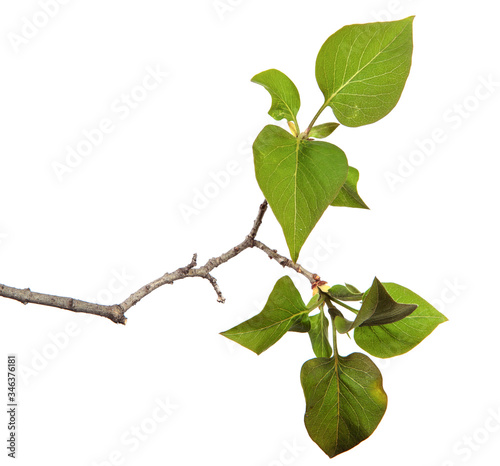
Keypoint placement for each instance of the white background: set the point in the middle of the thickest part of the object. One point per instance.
(90, 391)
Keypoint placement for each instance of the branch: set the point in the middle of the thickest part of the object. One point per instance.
(116, 312)
(285, 262)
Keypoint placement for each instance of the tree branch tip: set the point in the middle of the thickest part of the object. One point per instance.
(121, 321)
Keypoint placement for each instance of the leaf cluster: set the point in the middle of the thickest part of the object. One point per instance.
(361, 71)
(345, 399)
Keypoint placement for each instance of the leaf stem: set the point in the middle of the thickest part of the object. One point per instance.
(297, 125)
(320, 111)
(334, 337)
(340, 303)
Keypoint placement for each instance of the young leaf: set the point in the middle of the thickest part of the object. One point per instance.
(299, 179)
(345, 293)
(378, 308)
(284, 309)
(343, 325)
(293, 128)
(319, 335)
(323, 131)
(315, 302)
(348, 195)
(383, 309)
(362, 69)
(386, 341)
(345, 401)
(284, 94)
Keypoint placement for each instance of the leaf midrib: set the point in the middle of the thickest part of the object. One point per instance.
(295, 208)
(274, 324)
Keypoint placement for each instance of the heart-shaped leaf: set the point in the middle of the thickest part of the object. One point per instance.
(319, 335)
(345, 401)
(299, 179)
(386, 341)
(284, 308)
(348, 195)
(324, 130)
(284, 94)
(362, 69)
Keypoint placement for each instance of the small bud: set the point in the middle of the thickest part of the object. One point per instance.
(322, 285)
(292, 127)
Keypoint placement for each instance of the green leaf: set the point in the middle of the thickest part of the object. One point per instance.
(343, 325)
(319, 335)
(362, 69)
(315, 302)
(383, 309)
(284, 309)
(348, 196)
(352, 288)
(386, 341)
(345, 401)
(301, 325)
(299, 179)
(378, 308)
(323, 131)
(345, 293)
(284, 94)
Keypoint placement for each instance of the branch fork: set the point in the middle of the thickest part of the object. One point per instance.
(116, 312)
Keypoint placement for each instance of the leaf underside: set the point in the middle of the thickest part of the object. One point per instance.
(324, 130)
(345, 293)
(348, 195)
